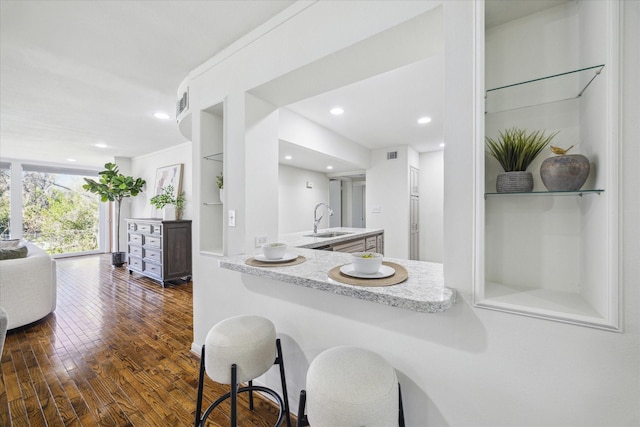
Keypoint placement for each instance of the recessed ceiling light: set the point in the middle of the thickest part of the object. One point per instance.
(161, 116)
(71, 160)
(329, 167)
(336, 111)
(442, 144)
(424, 120)
(101, 145)
(288, 157)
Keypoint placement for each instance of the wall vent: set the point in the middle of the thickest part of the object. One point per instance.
(183, 103)
(392, 155)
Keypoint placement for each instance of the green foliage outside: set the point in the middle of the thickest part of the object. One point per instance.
(57, 214)
(5, 205)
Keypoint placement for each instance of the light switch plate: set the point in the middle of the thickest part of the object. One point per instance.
(232, 218)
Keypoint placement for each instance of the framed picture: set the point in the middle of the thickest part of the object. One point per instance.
(169, 175)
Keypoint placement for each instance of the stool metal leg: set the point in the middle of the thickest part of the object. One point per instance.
(200, 387)
(401, 409)
(302, 418)
(285, 395)
(234, 395)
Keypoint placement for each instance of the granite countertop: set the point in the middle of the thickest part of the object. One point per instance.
(423, 291)
(301, 239)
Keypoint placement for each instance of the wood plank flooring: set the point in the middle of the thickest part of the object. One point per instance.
(116, 352)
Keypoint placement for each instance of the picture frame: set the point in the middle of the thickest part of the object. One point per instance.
(169, 175)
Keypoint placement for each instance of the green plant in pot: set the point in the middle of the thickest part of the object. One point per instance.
(515, 149)
(166, 198)
(220, 184)
(114, 187)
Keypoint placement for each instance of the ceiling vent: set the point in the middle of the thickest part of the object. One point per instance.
(392, 155)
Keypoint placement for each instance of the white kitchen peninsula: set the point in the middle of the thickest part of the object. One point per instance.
(423, 291)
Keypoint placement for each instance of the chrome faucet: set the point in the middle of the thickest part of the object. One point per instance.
(317, 220)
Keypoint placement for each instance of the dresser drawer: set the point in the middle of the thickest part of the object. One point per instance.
(153, 241)
(135, 250)
(135, 263)
(135, 238)
(156, 229)
(153, 255)
(153, 269)
(143, 228)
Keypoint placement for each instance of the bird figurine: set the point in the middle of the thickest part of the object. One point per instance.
(559, 150)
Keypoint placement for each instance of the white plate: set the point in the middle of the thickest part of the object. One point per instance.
(385, 271)
(285, 258)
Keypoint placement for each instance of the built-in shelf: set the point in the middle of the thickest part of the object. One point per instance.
(552, 254)
(568, 307)
(579, 193)
(212, 203)
(540, 91)
(217, 157)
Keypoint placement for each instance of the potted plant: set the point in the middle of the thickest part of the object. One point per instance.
(167, 198)
(220, 184)
(515, 149)
(113, 187)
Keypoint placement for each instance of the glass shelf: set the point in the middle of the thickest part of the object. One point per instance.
(547, 193)
(544, 90)
(211, 203)
(217, 157)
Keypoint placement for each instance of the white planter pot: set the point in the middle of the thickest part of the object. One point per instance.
(169, 213)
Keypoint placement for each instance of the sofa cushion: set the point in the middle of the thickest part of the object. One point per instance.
(9, 244)
(13, 253)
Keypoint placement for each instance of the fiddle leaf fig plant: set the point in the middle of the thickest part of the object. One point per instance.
(113, 187)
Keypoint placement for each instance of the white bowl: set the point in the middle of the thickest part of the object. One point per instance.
(274, 250)
(366, 262)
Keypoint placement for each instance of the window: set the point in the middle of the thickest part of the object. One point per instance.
(5, 200)
(57, 213)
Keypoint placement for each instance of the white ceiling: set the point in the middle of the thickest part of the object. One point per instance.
(75, 74)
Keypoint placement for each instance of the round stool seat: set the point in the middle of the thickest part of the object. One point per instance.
(247, 341)
(351, 386)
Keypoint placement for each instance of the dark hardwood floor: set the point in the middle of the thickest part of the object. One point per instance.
(116, 352)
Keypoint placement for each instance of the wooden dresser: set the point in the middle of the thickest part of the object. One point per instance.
(159, 249)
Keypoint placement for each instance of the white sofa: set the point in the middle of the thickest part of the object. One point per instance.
(28, 287)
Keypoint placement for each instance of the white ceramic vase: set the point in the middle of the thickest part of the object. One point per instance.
(169, 213)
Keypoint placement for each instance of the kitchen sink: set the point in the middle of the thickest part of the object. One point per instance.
(329, 234)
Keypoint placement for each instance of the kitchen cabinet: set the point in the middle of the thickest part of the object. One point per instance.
(159, 249)
(361, 244)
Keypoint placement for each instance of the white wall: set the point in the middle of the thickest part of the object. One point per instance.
(306, 133)
(146, 166)
(296, 202)
(431, 206)
(387, 195)
(467, 366)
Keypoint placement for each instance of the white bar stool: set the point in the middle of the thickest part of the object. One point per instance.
(351, 387)
(239, 349)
